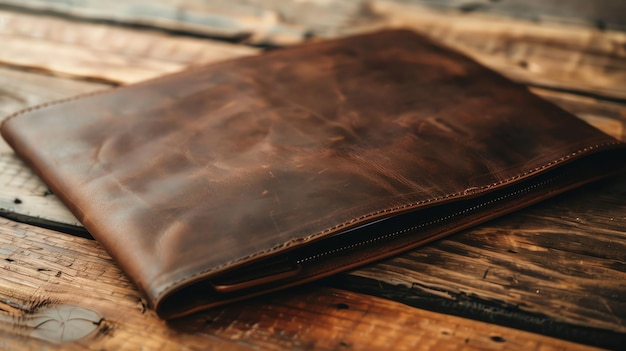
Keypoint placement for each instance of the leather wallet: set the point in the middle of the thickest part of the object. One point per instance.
(247, 176)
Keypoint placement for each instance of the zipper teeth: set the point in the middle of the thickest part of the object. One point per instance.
(441, 219)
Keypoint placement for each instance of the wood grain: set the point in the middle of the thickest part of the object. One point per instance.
(578, 59)
(284, 22)
(44, 275)
(103, 52)
(583, 60)
(251, 21)
(601, 14)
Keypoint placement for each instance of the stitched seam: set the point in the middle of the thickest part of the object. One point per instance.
(426, 224)
(406, 206)
(95, 93)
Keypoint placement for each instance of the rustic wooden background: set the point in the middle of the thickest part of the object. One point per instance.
(541, 278)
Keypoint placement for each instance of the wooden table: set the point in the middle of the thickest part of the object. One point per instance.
(550, 277)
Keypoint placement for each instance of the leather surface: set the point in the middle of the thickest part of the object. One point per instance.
(187, 176)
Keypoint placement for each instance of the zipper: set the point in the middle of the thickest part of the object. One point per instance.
(397, 233)
(291, 264)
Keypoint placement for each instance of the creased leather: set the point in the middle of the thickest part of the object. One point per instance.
(187, 176)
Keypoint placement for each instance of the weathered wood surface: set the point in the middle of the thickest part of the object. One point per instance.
(287, 21)
(63, 292)
(102, 52)
(583, 60)
(602, 14)
(580, 276)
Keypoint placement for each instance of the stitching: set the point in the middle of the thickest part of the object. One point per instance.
(562, 159)
(426, 224)
(104, 91)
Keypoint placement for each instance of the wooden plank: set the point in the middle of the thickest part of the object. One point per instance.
(24, 196)
(577, 59)
(103, 52)
(63, 292)
(241, 20)
(601, 14)
(286, 21)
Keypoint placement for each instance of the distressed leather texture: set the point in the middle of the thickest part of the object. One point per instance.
(247, 176)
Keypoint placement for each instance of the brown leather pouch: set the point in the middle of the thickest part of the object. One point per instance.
(251, 175)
